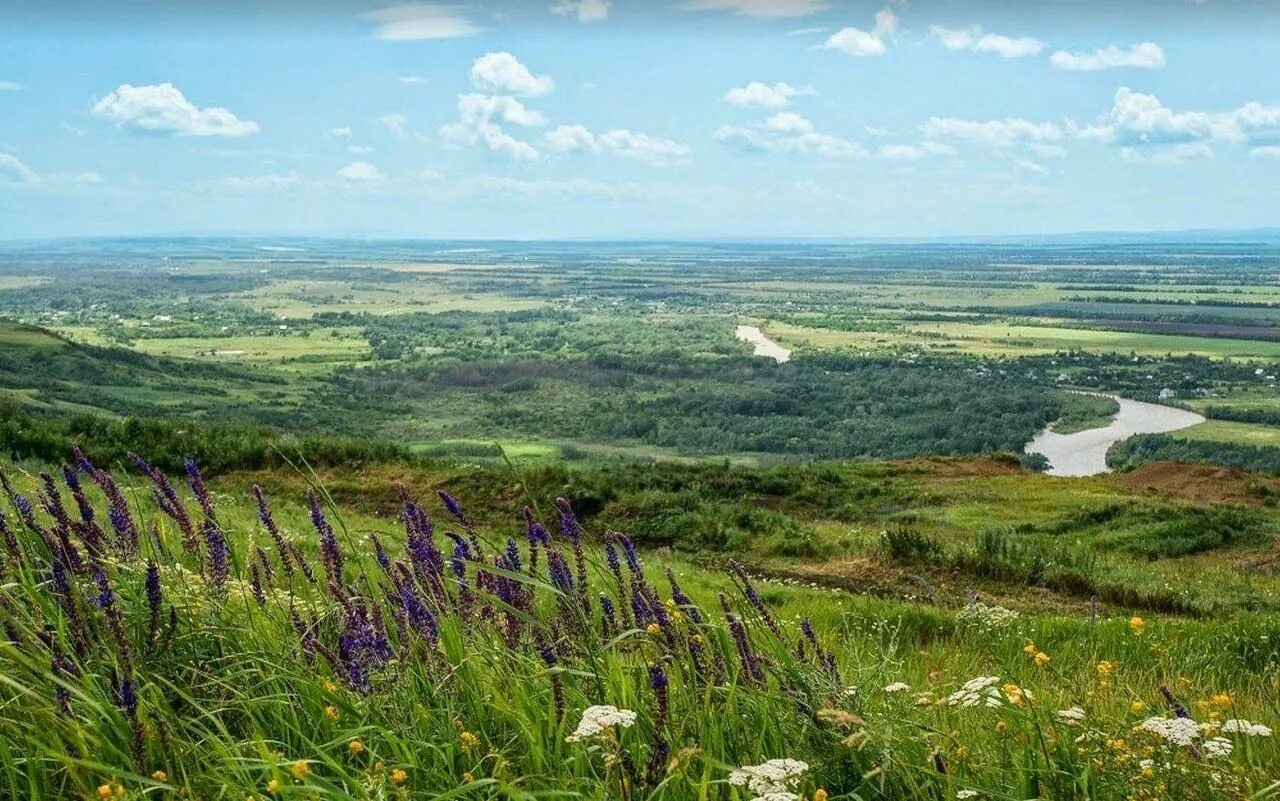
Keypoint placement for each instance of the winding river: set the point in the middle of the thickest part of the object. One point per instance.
(1085, 452)
(764, 346)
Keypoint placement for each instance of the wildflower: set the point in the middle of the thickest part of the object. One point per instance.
(653, 628)
(897, 687)
(1137, 707)
(1001, 725)
(398, 776)
(820, 795)
(598, 719)
(104, 791)
(1176, 731)
(300, 769)
(963, 794)
(273, 786)
(1136, 625)
(1222, 700)
(331, 712)
(1218, 747)
(160, 776)
(985, 617)
(355, 748)
(776, 777)
(1071, 715)
(1105, 668)
(976, 691)
(469, 741)
(1030, 647)
(467, 778)
(1237, 726)
(1041, 659)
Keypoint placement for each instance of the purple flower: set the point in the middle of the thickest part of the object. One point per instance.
(196, 479)
(330, 553)
(155, 599)
(255, 584)
(269, 523)
(219, 556)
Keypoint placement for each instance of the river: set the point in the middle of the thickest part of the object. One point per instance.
(1085, 452)
(763, 345)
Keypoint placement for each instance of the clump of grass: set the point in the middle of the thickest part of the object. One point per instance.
(193, 644)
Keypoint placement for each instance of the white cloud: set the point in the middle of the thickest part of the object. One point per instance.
(479, 118)
(914, 152)
(1136, 119)
(1148, 56)
(359, 149)
(569, 188)
(857, 42)
(161, 108)
(1266, 151)
(418, 21)
(1168, 156)
(361, 172)
(761, 95)
(11, 86)
(760, 8)
(71, 129)
(1048, 151)
(340, 132)
(976, 40)
(1027, 165)
(396, 124)
(12, 170)
(411, 79)
(996, 133)
(504, 74)
(788, 132)
(92, 178)
(269, 182)
(584, 10)
(621, 143)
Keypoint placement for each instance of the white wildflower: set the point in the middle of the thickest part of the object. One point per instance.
(774, 780)
(1070, 715)
(1218, 747)
(1178, 731)
(1238, 726)
(984, 617)
(897, 687)
(598, 719)
(963, 794)
(976, 691)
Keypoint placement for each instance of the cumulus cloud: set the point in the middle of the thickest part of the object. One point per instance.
(360, 172)
(857, 42)
(584, 10)
(788, 132)
(418, 21)
(161, 108)
(479, 123)
(996, 133)
(914, 152)
(975, 40)
(13, 171)
(1168, 156)
(760, 8)
(621, 143)
(502, 73)
(1147, 55)
(269, 182)
(1136, 118)
(1266, 151)
(761, 95)
(395, 124)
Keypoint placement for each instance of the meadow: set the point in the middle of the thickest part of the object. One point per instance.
(339, 635)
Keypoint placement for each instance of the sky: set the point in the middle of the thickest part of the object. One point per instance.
(645, 119)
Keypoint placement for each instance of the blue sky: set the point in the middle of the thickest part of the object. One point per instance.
(680, 119)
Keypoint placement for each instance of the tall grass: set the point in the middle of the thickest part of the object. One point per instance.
(137, 662)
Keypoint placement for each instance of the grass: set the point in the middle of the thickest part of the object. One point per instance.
(308, 298)
(234, 703)
(296, 351)
(1229, 431)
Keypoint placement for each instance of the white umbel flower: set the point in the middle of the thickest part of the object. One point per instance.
(964, 794)
(897, 687)
(1238, 726)
(1176, 731)
(1218, 747)
(774, 780)
(598, 719)
(976, 691)
(1070, 715)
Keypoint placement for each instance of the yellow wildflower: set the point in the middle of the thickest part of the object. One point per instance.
(653, 628)
(160, 776)
(273, 786)
(1136, 625)
(1223, 700)
(1041, 659)
(399, 776)
(355, 747)
(300, 769)
(469, 741)
(331, 712)
(820, 795)
(467, 778)
(1001, 725)
(1137, 707)
(329, 686)
(1105, 668)
(1030, 647)
(104, 791)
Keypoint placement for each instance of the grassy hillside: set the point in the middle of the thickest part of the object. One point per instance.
(149, 662)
